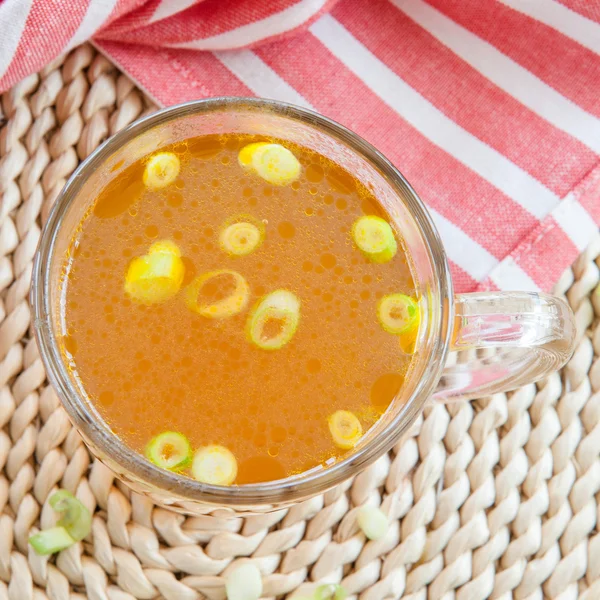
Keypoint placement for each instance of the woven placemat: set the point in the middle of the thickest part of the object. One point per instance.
(497, 498)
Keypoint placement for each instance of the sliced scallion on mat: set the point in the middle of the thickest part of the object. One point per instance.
(75, 523)
(50, 541)
(244, 583)
(75, 517)
(330, 591)
(373, 522)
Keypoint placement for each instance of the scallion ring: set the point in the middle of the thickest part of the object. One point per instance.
(375, 238)
(161, 170)
(169, 450)
(50, 541)
(273, 162)
(241, 238)
(330, 591)
(345, 428)
(75, 523)
(233, 303)
(398, 313)
(274, 320)
(215, 465)
(157, 276)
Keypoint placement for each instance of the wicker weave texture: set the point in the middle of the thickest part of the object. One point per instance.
(497, 498)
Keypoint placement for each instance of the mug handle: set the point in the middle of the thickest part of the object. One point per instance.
(510, 339)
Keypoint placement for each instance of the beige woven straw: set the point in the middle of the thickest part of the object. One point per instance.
(497, 498)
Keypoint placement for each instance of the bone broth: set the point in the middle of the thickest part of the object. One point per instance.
(238, 309)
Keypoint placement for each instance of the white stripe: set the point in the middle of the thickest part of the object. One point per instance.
(504, 72)
(462, 250)
(432, 123)
(168, 8)
(259, 77)
(575, 221)
(275, 24)
(558, 16)
(95, 17)
(508, 275)
(13, 15)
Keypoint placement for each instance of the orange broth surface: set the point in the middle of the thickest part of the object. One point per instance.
(155, 368)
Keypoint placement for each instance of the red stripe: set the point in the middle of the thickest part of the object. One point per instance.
(175, 76)
(588, 194)
(124, 8)
(562, 63)
(590, 10)
(443, 182)
(461, 280)
(48, 28)
(205, 19)
(124, 26)
(329, 4)
(546, 253)
(466, 97)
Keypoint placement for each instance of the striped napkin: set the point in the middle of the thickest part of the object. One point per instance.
(490, 108)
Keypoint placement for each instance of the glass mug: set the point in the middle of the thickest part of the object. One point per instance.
(525, 335)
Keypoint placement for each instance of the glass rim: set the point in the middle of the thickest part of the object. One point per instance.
(293, 488)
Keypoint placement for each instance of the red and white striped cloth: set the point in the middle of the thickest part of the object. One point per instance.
(491, 108)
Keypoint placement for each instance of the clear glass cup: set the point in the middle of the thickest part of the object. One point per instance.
(525, 335)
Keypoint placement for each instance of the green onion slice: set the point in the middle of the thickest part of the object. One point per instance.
(241, 238)
(244, 583)
(374, 238)
(51, 540)
(398, 313)
(75, 517)
(373, 522)
(75, 523)
(330, 591)
(247, 152)
(276, 164)
(274, 320)
(233, 303)
(157, 276)
(214, 464)
(161, 170)
(169, 450)
(273, 162)
(345, 428)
